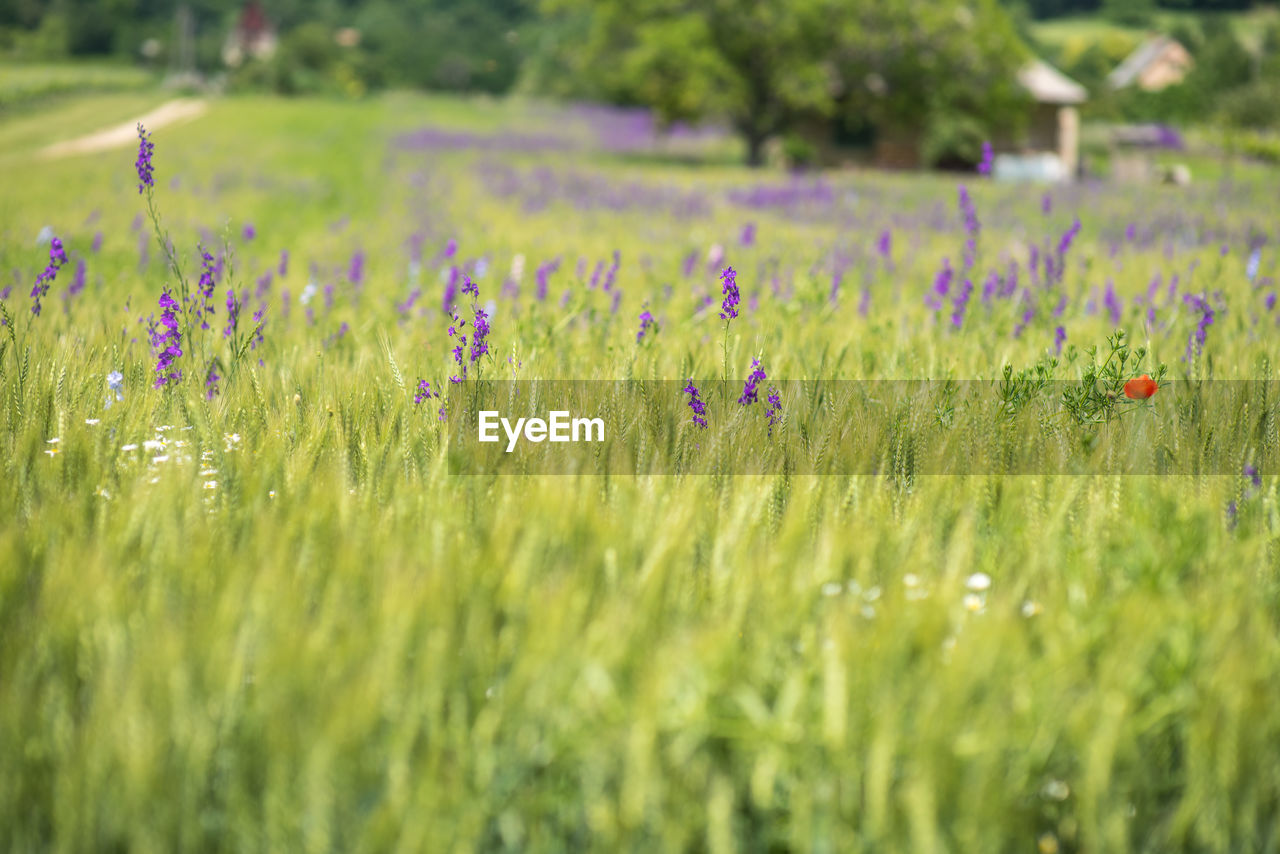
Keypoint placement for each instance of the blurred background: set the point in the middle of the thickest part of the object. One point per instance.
(1059, 88)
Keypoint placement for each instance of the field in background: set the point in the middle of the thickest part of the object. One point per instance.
(1071, 35)
(272, 620)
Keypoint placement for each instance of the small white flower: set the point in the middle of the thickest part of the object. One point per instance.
(130, 447)
(163, 458)
(52, 441)
(911, 579)
(831, 588)
(1056, 790)
(92, 421)
(271, 494)
(1030, 608)
(153, 445)
(974, 603)
(872, 594)
(868, 612)
(210, 484)
(208, 472)
(978, 582)
(52, 452)
(164, 428)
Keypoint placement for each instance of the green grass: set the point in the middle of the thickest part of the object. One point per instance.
(290, 628)
(23, 83)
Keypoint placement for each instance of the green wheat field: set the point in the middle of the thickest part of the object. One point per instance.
(260, 613)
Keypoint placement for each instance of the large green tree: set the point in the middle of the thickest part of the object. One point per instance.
(764, 64)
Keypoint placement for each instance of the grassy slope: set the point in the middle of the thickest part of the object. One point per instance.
(1073, 34)
(339, 647)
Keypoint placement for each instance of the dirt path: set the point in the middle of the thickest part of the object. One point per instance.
(120, 136)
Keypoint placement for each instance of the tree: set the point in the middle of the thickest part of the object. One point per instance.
(764, 64)
(757, 62)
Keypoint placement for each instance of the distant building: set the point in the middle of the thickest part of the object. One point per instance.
(1159, 62)
(1055, 118)
(253, 37)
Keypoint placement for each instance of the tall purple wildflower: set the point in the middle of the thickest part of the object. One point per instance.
(971, 228)
(1195, 342)
(729, 289)
(423, 392)
(450, 297)
(284, 262)
(211, 380)
(646, 321)
(479, 335)
(749, 389)
(941, 286)
(884, 246)
(57, 257)
(748, 236)
(611, 275)
(774, 410)
(1112, 303)
(695, 403)
(543, 277)
(166, 340)
(233, 314)
(961, 303)
(1059, 338)
(143, 163)
(988, 156)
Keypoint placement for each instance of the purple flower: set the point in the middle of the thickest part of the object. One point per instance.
(774, 410)
(143, 163)
(1059, 338)
(748, 236)
(1112, 302)
(984, 168)
(355, 270)
(695, 403)
(729, 305)
(249, 232)
(166, 341)
(233, 314)
(885, 246)
(204, 288)
(257, 329)
(424, 392)
(57, 257)
(961, 303)
(470, 287)
(941, 286)
(543, 276)
(749, 390)
(1251, 472)
(211, 382)
(479, 332)
(646, 320)
(612, 274)
(1251, 268)
(284, 261)
(450, 298)
(450, 248)
(1195, 343)
(97, 242)
(690, 263)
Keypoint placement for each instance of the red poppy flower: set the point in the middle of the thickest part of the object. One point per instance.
(1140, 388)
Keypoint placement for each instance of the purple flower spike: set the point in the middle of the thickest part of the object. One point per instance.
(696, 405)
(166, 341)
(729, 305)
(774, 411)
(984, 168)
(143, 163)
(57, 257)
(646, 321)
(749, 390)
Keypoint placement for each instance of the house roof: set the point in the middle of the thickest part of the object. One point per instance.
(1127, 72)
(1048, 85)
